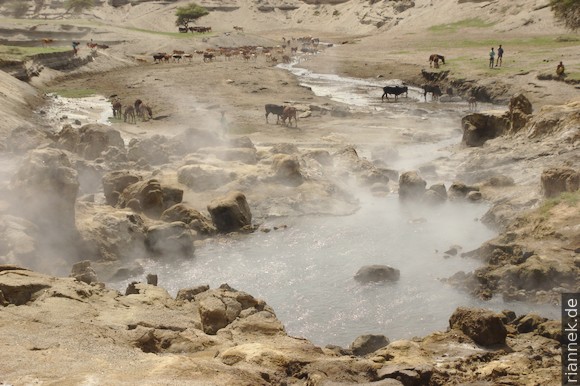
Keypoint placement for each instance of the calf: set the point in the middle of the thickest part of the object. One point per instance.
(395, 90)
(274, 109)
(289, 113)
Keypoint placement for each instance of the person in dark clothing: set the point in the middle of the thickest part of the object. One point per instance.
(499, 56)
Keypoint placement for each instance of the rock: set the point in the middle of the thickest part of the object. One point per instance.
(115, 182)
(189, 293)
(459, 190)
(143, 196)
(247, 155)
(170, 240)
(287, 168)
(479, 127)
(96, 138)
(474, 196)
(411, 186)
(152, 279)
(366, 344)
(243, 142)
(231, 212)
(484, 327)
(214, 313)
(82, 271)
(171, 196)
(559, 180)
(68, 138)
(322, 156)
(189, 216)
(551, 329)
(377, 273)
(149, 149)
(284, 148)
(529, 323)
(436, 194)
(203, 177)
(520, 110)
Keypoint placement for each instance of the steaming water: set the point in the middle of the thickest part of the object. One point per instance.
(305, 271)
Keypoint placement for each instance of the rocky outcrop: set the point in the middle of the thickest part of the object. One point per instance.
(114, 183)
(231, 212)
(95, 139)
(82, 271)
(559, 180)
(150, 150)
(479, 127)
(484, 327)
(377, 273)
(520, 111)
(286, 168)
(203, 177)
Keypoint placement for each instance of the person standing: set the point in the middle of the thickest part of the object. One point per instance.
(560, 70)
(491, 58)
(499, 56)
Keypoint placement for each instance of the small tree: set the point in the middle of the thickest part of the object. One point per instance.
(189, 14)
(77, 6)
(567, 11)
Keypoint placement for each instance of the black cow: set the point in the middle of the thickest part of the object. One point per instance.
(395, 90)
(274, 109)
(434, 90)
(158, 57)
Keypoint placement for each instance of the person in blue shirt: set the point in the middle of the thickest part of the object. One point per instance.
(491, 58)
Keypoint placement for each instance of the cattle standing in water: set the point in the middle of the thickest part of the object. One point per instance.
(274, 109)
(395, 90)
(434, 90)
(129, 115)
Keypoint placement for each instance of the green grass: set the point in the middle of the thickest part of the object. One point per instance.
(73, 93)
(20, 53)
(568, 198)
(454, 27)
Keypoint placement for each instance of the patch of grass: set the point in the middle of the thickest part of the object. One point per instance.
(568, 198)
(20, 53)
(73, 93)
(465, 23)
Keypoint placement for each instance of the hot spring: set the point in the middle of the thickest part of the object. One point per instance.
(305, 268)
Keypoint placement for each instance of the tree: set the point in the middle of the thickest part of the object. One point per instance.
(567, 11)
(189, 14)
(78, 6)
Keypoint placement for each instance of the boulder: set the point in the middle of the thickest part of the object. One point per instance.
(287, 168)
(68, 138)
(323, 157)
(115, 182)
(96, 138)
(284, 148)
(82, 271)
(436, 194)
(189, 216)
(143, 196)
(366, 344)
(231, 212)
(170, 240)
(213, 314)
(559, 180)
(479, 127)
(377, 273)
(149, 149)
(529, 323)
(243, 142)
(459, 190)
(411, 186)
(483, 326)
(203, 177)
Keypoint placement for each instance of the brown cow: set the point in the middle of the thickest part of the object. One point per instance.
(289, 113)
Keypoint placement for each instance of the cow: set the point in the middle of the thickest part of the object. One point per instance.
(434, 60)
(129, 114)
(208, 56)
(433, 89)
(395, 90)
(289, 113)
(117, 109)
(183, 29)
(274, 109)
(159, 57)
